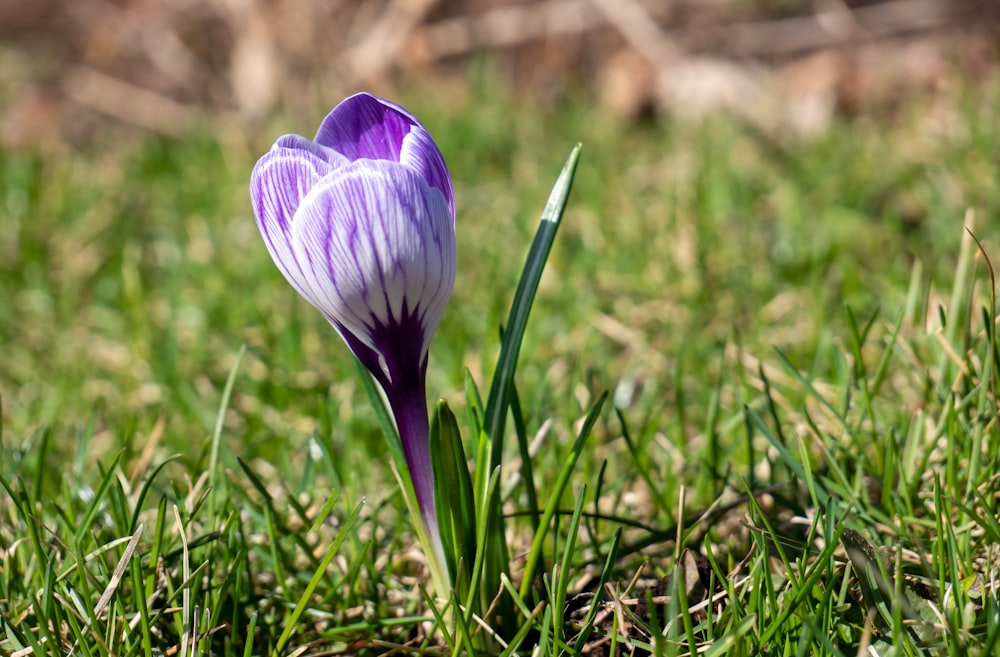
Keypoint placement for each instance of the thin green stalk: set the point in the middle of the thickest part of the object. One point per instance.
(534, 554)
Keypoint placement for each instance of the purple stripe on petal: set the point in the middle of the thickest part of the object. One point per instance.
(381, 242)
(330, 275)
(300, 143)
(278, 183)
(364, 126)
(420, 153)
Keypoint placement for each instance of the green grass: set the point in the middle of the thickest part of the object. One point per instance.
(806, 320)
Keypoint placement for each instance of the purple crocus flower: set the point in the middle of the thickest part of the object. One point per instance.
(361, 221)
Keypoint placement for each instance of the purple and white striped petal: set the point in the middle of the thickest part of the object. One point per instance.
(377, 244)
(420, 153)
(300, 143)
(364, 126)
(367, 127)
(278, 183)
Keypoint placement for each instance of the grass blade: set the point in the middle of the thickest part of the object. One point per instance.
(499, 397)
(227, 393)
(320, 571)
(561, 483)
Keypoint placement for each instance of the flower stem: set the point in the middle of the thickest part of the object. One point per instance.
(409, 408)
(408, 402)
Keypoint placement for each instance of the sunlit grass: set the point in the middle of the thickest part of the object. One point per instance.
(804, 319)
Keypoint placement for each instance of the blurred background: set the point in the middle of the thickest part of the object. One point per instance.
(164, 65)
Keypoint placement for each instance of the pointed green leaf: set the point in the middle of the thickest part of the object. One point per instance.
(499, 397)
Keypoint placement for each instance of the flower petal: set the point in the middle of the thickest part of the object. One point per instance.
(421, 154)
(279, 182)
(378, 245)
(365, 126)
(300, 143)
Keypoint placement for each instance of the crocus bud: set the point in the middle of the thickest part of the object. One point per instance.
(361, 222)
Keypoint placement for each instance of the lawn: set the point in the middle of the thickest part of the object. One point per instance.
(797, 338)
